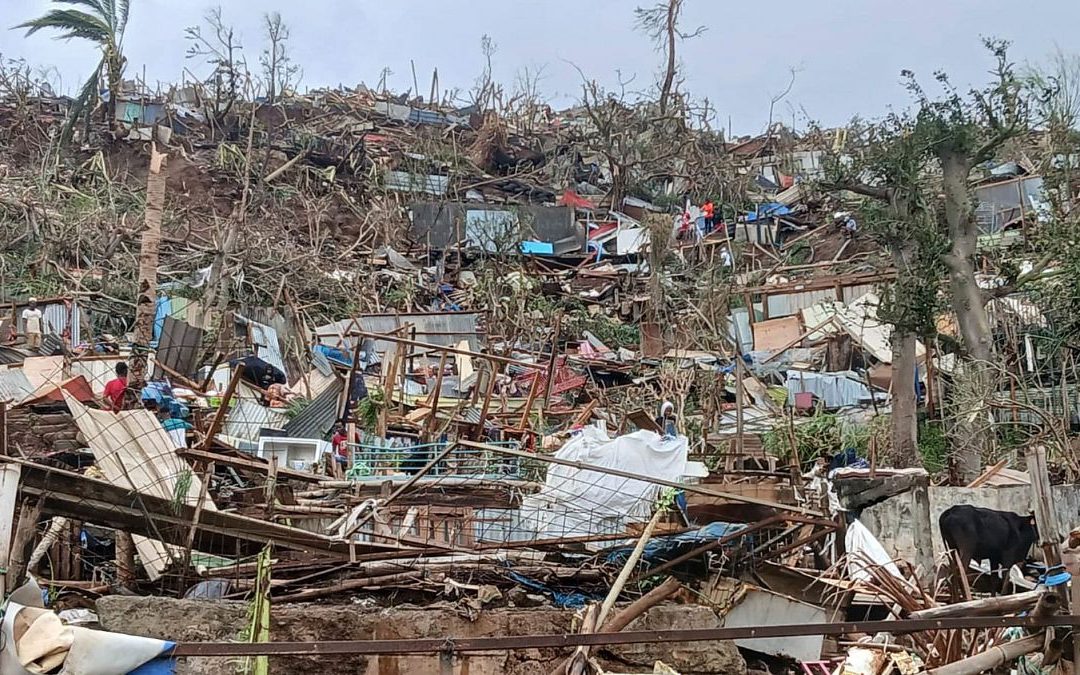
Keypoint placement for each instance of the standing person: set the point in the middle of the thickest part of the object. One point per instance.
(666, 419)
(725, 258)
(115, 388)
(32, 317)
(709, 212)
(175, 427)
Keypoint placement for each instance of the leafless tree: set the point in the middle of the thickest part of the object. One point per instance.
(216, 43)
(278, 69)
(661, 23)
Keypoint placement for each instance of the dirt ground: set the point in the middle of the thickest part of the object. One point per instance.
(189, 620)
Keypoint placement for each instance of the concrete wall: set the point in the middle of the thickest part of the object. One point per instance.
(895, 523)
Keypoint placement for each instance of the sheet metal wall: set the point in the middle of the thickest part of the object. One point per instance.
(792, 303)
(445, 329)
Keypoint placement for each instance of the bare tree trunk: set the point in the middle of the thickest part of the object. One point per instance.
(968, 303)
(146, 302)
(669, 76)
(904, 421)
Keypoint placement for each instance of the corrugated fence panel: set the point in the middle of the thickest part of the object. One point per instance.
(445, 329)
(248, 417)
(178, 347)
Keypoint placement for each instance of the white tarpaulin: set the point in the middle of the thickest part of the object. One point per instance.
(582, 502)
(864, 550)
(134, 451)
(34, 640)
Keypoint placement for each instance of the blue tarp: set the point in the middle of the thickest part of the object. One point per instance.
(161, 310)
(768, 210)
(538, 248)
(572, 599)
(661, 549)
(335, 355)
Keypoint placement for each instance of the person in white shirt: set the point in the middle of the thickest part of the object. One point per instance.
(32, 319)
(725, 257)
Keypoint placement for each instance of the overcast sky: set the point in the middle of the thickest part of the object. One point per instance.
(848, 53)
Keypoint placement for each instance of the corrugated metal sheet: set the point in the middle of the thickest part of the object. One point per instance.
(317, 419)
(791, 303)
(248, 417)
(14, 386)
(9, 355)
(445, 329)
(178, 348)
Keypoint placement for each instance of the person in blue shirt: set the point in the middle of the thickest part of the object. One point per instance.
(176, 427)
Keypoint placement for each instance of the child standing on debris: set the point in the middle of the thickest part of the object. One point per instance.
(31, 317)
(115, 388)
(340, 441)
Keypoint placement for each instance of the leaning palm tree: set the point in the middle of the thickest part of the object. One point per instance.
(102, 22)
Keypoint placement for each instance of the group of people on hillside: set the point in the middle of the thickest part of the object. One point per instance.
(689, 229)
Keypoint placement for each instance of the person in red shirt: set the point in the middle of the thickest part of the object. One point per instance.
(341, 445)
(115, 388)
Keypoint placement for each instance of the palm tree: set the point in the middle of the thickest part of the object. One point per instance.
(103, 23)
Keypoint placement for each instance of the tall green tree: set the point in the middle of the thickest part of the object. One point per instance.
(889, 166)
(101, 22)
(962, 133)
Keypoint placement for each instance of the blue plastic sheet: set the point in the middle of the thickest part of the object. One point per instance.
(768, 210)
(335, 355)
(571, 599)
(662, 549)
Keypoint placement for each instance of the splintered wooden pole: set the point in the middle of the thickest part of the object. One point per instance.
(492, 375)
(223, 409)
(1046, 519)
(125, 559)
(993, 657)
(556, 329)
(146, 301)
(740, 403)
(24, 535)
(996, 606)
(429, 423)
(574, 663)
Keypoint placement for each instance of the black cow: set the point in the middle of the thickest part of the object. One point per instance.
(1002, 537)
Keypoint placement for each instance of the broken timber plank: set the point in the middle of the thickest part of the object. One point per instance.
(64, 493)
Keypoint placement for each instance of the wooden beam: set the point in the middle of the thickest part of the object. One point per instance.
(223, 408)
(1046, 519)
(65, 493)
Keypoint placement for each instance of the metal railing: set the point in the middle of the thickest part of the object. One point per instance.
(371, 461)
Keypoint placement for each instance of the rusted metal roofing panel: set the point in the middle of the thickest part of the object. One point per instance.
(178, 348)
